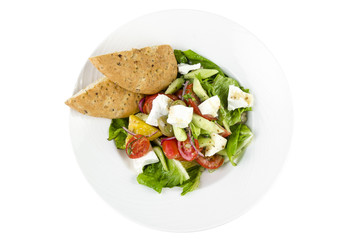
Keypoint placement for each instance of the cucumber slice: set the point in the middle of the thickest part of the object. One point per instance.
(205, 124)
(199, 91)
(175, 85)
(204, 142)
(180, 133)
(160, 156)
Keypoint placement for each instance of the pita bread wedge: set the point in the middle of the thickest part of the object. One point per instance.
(147, 70)
(105, 99)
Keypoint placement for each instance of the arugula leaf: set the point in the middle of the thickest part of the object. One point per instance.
(117, 133)
(194, 181)
(180, 57)
(195, 58)
(238, 141)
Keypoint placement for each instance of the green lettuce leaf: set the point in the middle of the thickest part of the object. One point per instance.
(194, 181)
(229, 118)
(238, 141)
(221, 88)
(195, 58)
(117, 133)
(155, 177)
(180, 57)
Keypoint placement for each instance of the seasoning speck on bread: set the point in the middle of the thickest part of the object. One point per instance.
(147, 70)
(105, 99)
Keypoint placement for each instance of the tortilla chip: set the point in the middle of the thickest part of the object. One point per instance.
(147, 70)
(105, 99)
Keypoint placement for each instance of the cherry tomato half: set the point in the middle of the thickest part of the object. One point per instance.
(212, 162)
(170, 149)
(187, 152)
(138, 146)
(147, 106)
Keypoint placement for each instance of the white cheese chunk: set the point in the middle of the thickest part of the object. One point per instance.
(210, 106)
(180, 116)
(184, 68)
(149, 158)
(219, 144)
(159, 108)
(239, 99)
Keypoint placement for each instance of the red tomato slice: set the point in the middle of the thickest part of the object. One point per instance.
(147, 106)
(194, 102)
(170, 149)
(225, 132)
(173, 97)
(179, 93)
(191, 92)
(187, 152)
(210, 162)
(138, 146)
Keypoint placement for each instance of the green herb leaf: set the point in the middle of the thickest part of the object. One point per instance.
(189, 96)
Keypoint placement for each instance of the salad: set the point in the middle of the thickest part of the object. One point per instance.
(197, 123)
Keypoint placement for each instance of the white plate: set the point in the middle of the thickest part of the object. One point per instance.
(228, 192)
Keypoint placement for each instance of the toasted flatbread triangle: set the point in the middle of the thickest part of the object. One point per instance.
(105, 99)
(147, 70)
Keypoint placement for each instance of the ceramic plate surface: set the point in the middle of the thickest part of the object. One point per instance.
(226, 193)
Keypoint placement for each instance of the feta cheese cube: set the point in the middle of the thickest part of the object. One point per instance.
(238, 99)
(139, 163)
(159, 108)
(210, 106)
(180, 116)
(219, 144)
(184, 68)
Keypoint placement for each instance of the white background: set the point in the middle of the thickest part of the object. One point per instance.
(44, 44)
